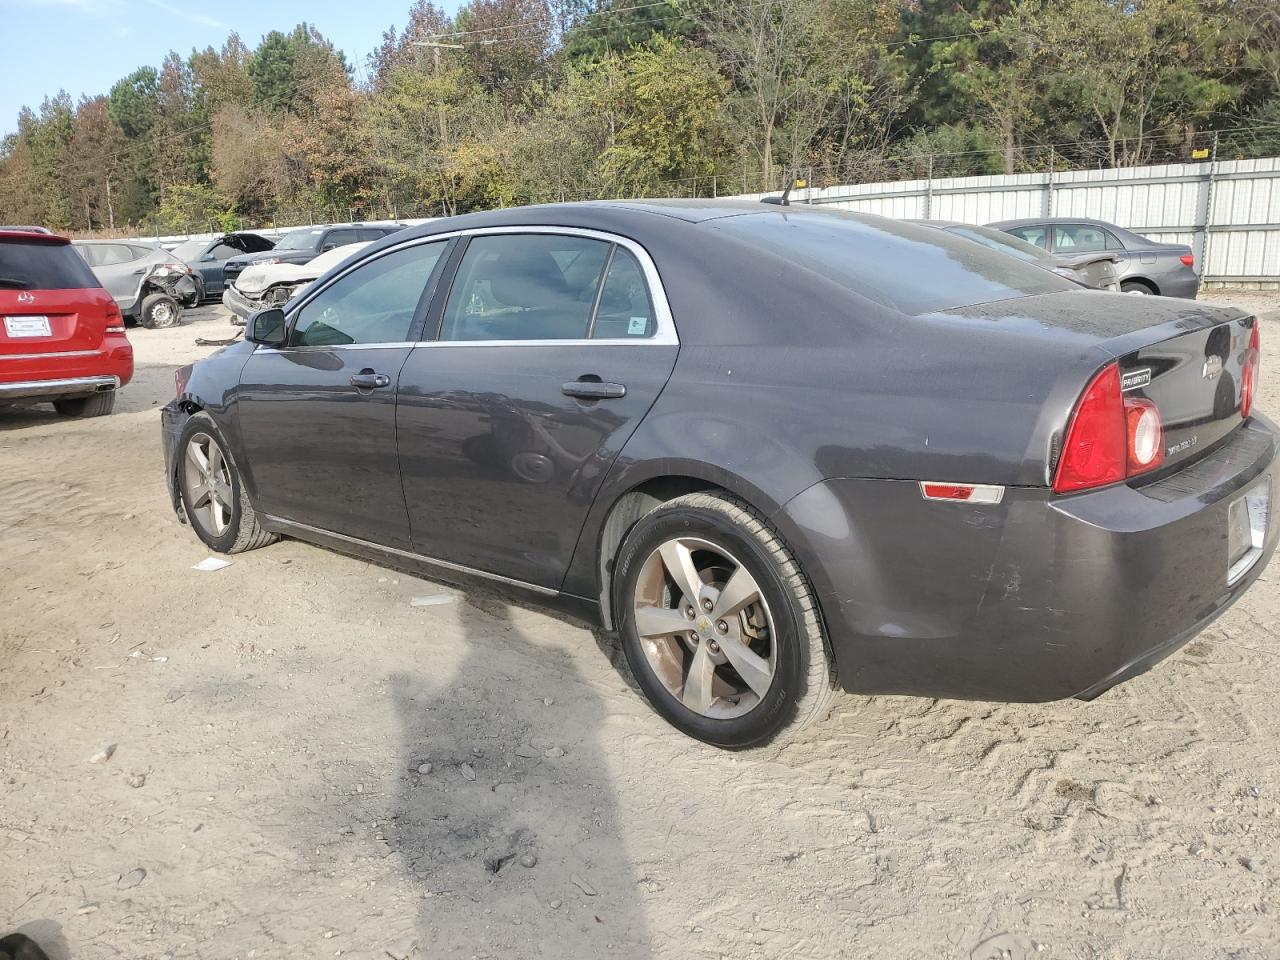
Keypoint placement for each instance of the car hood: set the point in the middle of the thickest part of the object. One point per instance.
(257, 277)
(244, 259)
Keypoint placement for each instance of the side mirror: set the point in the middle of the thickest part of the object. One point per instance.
(327, 247)
(266, 327)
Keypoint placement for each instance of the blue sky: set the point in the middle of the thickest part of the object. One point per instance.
(84, 46)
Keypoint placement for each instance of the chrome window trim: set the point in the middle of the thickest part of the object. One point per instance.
(664, 335)
(421, 558)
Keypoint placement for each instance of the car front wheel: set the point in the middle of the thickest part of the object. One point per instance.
(213, 493)
(719, 625)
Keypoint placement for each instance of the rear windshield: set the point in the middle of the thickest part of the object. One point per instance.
(904, 266)
(43, 266)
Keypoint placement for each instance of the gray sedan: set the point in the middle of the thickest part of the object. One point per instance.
(1145, 266)
(1097, 269)
(780, 450)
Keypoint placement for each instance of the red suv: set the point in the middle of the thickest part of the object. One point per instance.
(61, 334)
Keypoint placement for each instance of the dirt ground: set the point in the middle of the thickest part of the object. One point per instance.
(270, 719)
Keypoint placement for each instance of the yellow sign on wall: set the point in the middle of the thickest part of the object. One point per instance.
(1200, 153)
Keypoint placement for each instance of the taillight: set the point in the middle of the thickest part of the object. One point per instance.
(1110, 437)
(1249, 376)
(1187, 259)
(115, 322)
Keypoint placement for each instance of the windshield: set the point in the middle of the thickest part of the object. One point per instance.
(190, 249)
(300, 240)
(911, 268)
(1005, 243)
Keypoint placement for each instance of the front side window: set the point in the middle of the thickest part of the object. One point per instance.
(375, 303)
(525, 287)
(1081, 238)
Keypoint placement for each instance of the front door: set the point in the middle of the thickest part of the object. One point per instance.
(551, 348)
(318, 416)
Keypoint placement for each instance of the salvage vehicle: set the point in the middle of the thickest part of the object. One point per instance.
(1095, 269)
(207, 257)
(275, 284)
(1144, 266)
(778, 449)
(306, 243)
(150, 285)
(62, 338)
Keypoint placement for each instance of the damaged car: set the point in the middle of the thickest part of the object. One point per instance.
(149, 285)
(265, 285)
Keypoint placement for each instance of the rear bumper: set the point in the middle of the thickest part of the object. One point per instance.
(66, 373)
(1036, 598)
(1184, 284)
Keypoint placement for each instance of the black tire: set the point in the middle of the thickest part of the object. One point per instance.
(802, 687)
(243, 531)
(159, 310)
(94, 405)
(1137, 286)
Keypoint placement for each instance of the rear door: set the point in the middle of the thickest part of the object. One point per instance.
(43, 306)
(318, 416)
(551, 348)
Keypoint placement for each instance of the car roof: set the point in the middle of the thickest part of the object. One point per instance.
(1031, 221)
(21, 234)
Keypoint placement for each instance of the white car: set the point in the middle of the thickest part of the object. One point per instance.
(265, 285)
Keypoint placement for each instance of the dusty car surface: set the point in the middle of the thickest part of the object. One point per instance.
(264, 285)
(149, 284)
(1095, 269)
(1144, 266)
(62, 338)
(779, 450)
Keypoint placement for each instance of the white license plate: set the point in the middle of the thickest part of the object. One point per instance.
(27, 327)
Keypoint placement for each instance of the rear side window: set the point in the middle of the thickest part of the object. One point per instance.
(625, 310)
(43, 266)
(525, 287)
(910, 268)
(1037, 235)
(1083, 238)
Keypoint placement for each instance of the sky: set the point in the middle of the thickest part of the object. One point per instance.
(84, 46)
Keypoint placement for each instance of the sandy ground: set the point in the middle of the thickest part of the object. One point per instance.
(270, 720)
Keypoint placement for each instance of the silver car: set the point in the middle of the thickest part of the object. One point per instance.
(148, 283)
(1145, 266)
(1097, 269)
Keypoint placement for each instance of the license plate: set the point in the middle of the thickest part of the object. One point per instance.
(1247, 518)
(27, 327)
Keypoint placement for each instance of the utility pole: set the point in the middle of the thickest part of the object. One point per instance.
(435, 47)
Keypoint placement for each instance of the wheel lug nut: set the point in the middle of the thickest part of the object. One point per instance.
(688, 613)
(713, 646)
(706, 605)
(722, 626)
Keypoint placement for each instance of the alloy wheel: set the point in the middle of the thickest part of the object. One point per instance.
(208, 477)
(705, 628)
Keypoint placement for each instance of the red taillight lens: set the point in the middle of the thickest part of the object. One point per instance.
(1187, 259)
(1145, 435)
(115, 322)
(1110, 437)
(1094, 451)
(1249, 376)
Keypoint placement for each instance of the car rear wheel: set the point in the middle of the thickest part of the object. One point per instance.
(159, 310)
(719, 625)
(95, 405)
(213, 494)
(1136, 286)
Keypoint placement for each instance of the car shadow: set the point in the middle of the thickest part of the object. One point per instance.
(514, 834)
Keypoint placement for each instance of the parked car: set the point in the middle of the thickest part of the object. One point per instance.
(778, 449)
(306, 243)
(62, 339)
(275, 284)
(1144, 266)
(207, 257)
(1096, 269)
(149, 284)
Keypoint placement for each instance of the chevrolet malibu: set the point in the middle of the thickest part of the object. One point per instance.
(780, 451)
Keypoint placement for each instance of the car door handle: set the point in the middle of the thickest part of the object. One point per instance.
(593, 390)
(140, 271)
(368, 380)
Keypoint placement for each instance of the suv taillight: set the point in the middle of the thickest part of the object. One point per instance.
(115, 322)
(1110, 437)
(1249, 376)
